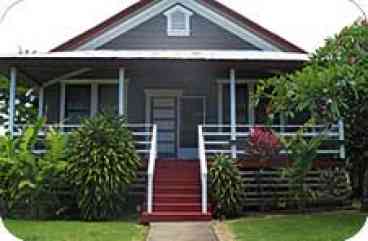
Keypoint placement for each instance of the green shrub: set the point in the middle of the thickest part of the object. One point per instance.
(102, 164)
(26, 178)
(226, 187)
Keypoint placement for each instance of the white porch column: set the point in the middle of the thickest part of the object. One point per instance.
(251, 115)
(233, 112)
(41, 95)
(122, 86)
(94, 99)
(12, 97)
(62, 103)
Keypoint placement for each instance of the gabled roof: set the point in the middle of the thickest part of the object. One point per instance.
(216, 6)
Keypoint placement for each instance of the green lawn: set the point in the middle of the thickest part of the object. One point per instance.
(321, 227)
(76, 231)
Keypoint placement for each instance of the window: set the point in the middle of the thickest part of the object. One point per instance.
(242, 102)
(108, 98)
(178, 21)
(78, 103)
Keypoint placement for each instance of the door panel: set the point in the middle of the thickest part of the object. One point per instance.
(164, 114)
(191, 115)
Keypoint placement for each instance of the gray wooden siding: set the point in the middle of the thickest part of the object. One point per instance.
(52, 103)
(191, 79)
(153, 35)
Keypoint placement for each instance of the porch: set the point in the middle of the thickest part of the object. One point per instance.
(186, 107)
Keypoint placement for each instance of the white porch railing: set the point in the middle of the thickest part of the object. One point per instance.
(142, 134)
(203, 168)
(145, 136)
(219, 139)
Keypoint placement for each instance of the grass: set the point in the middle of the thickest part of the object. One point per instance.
(76, 231)
(326, 227)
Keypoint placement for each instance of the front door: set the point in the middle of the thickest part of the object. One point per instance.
(192, 109)
(164, 115)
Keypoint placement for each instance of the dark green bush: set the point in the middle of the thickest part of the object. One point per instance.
(30, 182)
(103, 162)
(226, 187)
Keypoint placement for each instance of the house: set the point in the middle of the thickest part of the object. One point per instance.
(182, 71)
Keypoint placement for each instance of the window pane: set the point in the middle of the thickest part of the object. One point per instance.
(108, 98)
(78, 102)
(178, 21)
(242, 101)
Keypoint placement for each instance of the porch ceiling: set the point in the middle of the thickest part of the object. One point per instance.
(40, 68)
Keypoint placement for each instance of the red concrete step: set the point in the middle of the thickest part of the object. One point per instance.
(177, 174)
(175, 216)
(182, 207)
(177, 198)
(177, 182)
(173, 178)
(183, 189)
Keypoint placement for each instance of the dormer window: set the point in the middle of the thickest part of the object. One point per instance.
(178, 21)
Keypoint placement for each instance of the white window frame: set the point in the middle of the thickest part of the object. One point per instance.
(178, 32)
(94, 84)
(251, 108)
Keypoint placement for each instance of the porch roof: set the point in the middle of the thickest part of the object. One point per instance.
(39, 68)
(225, 55)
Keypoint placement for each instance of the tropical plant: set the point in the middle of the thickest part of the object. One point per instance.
(18, 165)
(28, 178)
(263, 143)
(102, 163)
(226, 187)
(301, 154)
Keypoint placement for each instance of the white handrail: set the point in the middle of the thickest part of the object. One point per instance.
(203, 168)
(151, 168)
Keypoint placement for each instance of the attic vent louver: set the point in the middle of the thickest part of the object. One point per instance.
(178, 21)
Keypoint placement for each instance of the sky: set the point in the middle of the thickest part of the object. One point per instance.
(43, 24)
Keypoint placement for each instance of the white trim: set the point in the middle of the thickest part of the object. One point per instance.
(163, 92)
(62, 103)
(12, 99)
(41, 94)
(94, 99)
(158, 93)
(168, 54)
(66, 76)
(89, 81)
(150, 12)
(122, 91)
(178, 32)
(233, 111)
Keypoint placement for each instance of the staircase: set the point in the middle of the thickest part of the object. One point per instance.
(177, 193)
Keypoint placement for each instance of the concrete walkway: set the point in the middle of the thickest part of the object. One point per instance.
(190, 231)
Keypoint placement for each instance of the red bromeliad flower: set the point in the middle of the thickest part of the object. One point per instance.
(264, 144)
